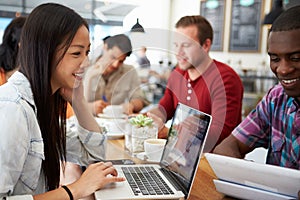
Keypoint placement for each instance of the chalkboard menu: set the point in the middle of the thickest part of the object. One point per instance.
(245, 29)
(213, 11)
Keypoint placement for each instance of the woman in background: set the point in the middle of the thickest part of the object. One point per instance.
(9, 48)
(54, 46)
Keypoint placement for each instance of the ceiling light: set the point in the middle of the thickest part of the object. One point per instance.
(212, 4)
(246, 2)
(276, 10)
(137, 27)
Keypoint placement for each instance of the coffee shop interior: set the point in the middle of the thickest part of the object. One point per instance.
(240, 34)
(240, 27)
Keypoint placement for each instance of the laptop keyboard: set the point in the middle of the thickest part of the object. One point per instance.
(146, 181)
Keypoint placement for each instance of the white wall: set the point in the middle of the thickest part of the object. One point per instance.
(154, 16)
(181, 8)
(162, 15)
(151, 14)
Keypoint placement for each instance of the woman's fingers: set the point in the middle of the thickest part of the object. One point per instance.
(107, 168)
(109, 173)
(113, 179)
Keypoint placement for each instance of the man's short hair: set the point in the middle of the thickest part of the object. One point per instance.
(288, 20)
(205, 30)
(121, 41)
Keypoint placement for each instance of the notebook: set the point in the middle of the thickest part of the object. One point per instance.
(176, 171)
(250, 180)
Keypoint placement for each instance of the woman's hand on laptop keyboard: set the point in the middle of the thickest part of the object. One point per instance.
(95, 177)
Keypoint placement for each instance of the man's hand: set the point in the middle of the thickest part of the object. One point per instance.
(128, 108)
(97, 106)
(157, 120)
(162, 130)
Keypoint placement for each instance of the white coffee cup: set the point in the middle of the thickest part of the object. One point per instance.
(113, 111)
(154, 149)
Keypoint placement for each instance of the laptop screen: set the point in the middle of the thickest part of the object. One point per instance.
(185, 143)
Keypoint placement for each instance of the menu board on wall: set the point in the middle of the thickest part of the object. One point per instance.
(245, 29)
(213, 11)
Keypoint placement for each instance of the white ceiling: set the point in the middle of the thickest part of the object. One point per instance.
(109, 10)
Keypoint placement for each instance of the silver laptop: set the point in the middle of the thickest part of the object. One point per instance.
(175, 173)
(250, 180)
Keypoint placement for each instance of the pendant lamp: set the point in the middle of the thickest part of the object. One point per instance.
(277, 9)
(137, 27)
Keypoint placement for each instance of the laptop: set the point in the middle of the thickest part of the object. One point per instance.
(177, 168)
(245, 179)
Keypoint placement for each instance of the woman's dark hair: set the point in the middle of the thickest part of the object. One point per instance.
(49, 29)
(10, 44)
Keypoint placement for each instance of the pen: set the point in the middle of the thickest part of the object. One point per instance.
(104, 98)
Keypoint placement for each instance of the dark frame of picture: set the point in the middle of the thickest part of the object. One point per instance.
(215, 14)
(245, 28)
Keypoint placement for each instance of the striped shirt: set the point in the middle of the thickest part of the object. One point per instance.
(275, 125)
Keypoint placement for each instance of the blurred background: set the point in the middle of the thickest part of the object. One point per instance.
(240, 34)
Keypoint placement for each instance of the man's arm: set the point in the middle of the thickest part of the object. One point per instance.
(232, 147)
(158, 117)
(90, 82)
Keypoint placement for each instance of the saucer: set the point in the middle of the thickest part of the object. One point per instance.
(143, 156)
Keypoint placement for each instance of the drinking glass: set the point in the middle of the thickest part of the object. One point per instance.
(139, 135)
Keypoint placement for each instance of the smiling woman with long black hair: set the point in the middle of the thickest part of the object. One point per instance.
(53, 50)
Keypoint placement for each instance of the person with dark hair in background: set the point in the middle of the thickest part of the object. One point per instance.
(275, 122)
(200, 82)
(53, 52)
(110, 81)
(9, 48)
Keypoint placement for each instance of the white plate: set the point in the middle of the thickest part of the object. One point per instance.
(116, 127)
(101, 115)
(246, 192)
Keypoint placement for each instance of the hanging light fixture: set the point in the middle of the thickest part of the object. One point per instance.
(277, 9)
(137, 27)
